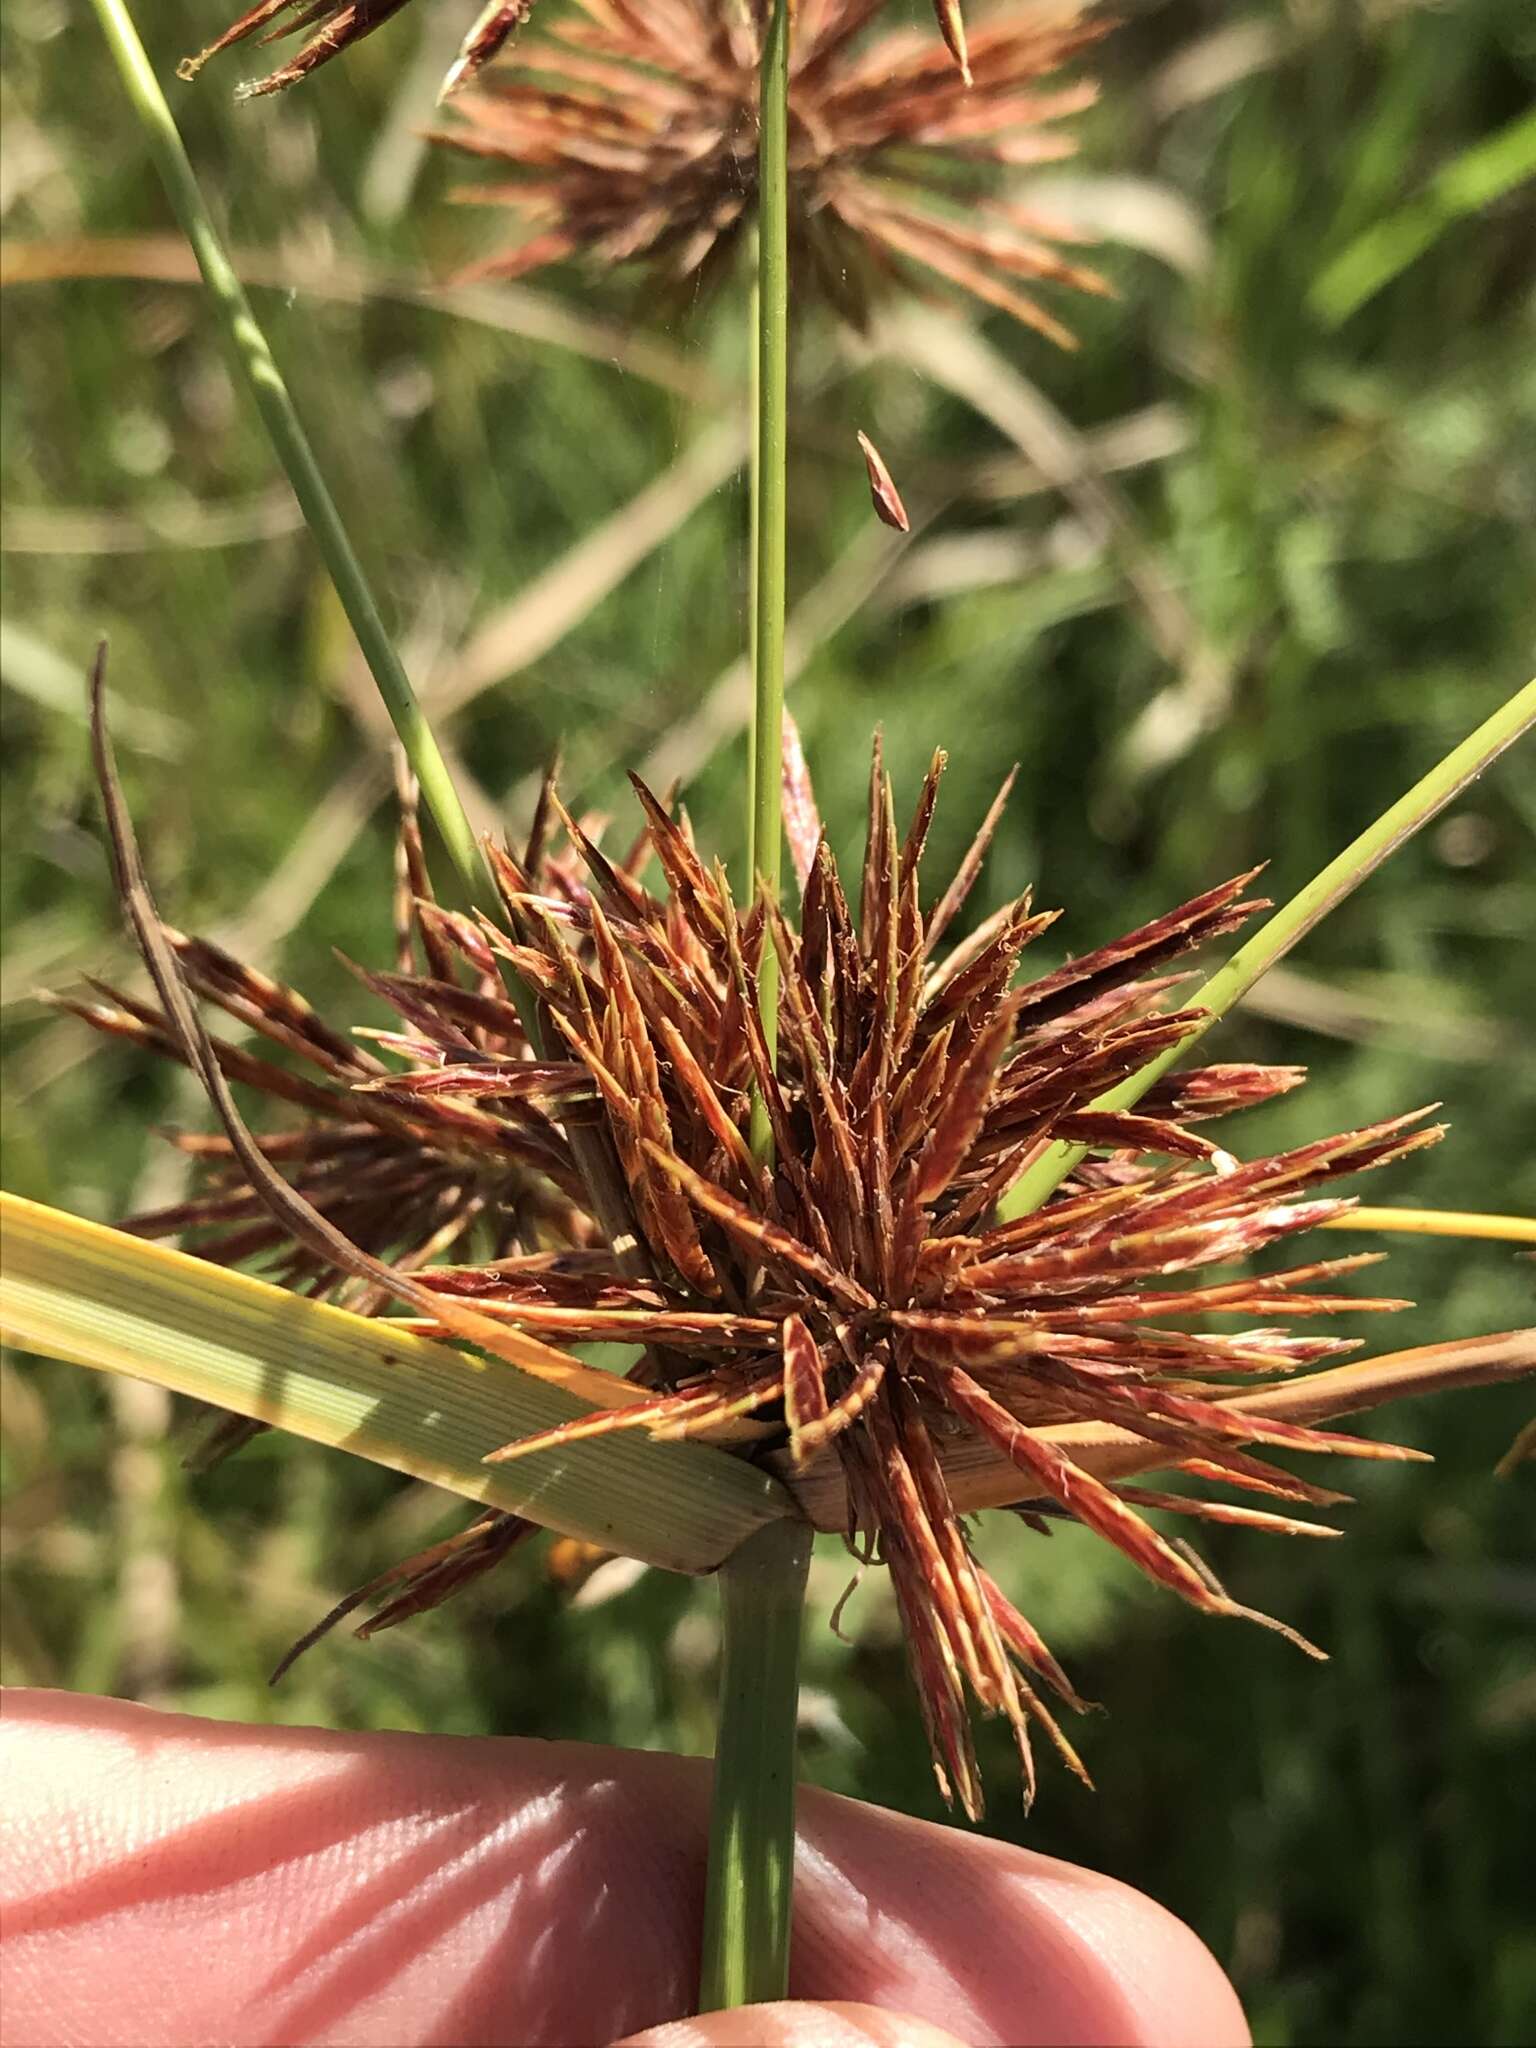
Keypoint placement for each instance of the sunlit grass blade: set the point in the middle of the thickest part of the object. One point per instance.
(96, 1297)
(1438, 1223)
(532, 317)
(1290, 925)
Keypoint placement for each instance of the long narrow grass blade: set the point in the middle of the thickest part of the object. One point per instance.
(263, 380)
(1438, 1223)
(96, 1297)
(1289, 925)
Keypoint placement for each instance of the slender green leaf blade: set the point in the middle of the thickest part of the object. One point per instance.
(1493, 166)
(1289, 925)
(77, 1291)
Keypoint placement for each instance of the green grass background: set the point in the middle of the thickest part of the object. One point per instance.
(1324, 574)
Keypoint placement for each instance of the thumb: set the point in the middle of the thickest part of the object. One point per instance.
(794, 2024)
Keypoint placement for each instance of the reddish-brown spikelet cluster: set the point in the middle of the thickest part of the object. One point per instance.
(859, 1298)
(404, 1164)
(628, 133)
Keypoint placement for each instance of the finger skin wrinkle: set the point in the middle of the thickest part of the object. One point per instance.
(177, 1882)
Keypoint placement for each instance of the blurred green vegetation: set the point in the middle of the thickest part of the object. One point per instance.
(1317, 570)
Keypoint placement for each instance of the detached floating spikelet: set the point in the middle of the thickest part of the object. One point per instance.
(882, 488)
(860, 1302)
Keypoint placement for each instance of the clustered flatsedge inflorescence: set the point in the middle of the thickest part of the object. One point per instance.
(859, 1297)
(628, 135)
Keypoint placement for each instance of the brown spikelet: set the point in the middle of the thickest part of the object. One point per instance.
(850, 1404)
(882, 488)
(802, 821)
(423, 1582)
(336, 23)
(805, 1389)
(952, 28)
(496, 21)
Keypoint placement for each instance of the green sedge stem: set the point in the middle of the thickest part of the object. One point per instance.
(762, 1587)
(754, 522)
(1275, 939)
(765, 842)
(254, 360)
(752, 1821)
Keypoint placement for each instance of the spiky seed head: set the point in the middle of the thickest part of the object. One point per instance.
(624, 135)
(861, 1301)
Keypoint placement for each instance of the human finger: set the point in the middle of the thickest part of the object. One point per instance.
(796, 2024)
(178, 1880)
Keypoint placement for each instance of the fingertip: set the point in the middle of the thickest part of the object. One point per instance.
(1174, 1991)
(796, 2023)
(998, 1942)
